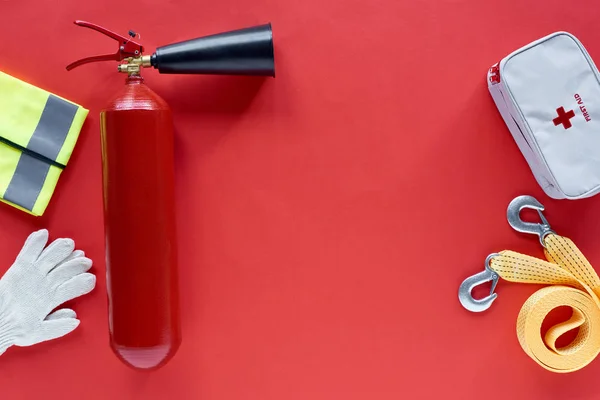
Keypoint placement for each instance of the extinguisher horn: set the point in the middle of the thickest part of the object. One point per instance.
(127, 46)
(247, 51)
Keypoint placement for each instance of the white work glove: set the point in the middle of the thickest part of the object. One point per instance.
(39, 281)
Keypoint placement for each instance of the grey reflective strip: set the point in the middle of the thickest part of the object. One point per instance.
(47, 140)
(53, 127)
(27, 182)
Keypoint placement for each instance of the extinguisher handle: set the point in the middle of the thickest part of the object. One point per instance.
(246, 51)
(127, 47)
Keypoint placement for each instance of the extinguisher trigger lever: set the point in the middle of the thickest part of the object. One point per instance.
(127, 46)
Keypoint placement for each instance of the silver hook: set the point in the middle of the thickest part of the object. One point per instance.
(464, 291)
(513, 214)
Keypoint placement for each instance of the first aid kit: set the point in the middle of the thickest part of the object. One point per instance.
(548, 94)
(38, 133)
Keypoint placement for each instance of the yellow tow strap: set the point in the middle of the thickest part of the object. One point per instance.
(576, 285)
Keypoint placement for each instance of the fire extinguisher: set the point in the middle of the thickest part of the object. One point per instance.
(138, 184)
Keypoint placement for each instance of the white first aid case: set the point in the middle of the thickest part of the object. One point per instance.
(548, 93)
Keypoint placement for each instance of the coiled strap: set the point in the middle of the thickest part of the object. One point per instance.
(575, 284)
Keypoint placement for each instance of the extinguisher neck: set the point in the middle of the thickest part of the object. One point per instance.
(134, 79)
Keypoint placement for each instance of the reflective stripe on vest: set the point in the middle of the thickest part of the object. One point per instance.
(47, 140)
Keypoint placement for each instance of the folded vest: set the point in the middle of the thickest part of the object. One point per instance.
(38, 132)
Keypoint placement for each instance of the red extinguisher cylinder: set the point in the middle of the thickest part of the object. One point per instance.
(139, 219)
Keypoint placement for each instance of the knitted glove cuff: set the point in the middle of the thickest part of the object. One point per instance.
(8, 331)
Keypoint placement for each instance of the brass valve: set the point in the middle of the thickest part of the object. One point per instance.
(133, 65)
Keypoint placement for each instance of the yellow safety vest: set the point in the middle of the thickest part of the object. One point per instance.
(38, 132)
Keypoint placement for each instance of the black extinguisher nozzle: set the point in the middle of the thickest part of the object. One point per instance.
(247, 51)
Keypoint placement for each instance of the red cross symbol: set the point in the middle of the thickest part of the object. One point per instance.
(563, 117)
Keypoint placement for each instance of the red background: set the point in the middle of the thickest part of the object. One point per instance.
(325, 217)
